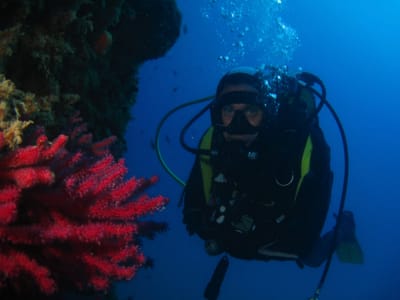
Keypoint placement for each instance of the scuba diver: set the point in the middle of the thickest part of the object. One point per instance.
(261, 183)
(266, 193)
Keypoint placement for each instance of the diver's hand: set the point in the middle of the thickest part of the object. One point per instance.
(196, 223)
(193, 220)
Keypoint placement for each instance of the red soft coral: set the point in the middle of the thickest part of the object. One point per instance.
(62, 211)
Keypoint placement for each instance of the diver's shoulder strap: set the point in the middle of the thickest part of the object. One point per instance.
(306, 97)
(305, 164)
(205, 163)
(315, 156)
(206, 140)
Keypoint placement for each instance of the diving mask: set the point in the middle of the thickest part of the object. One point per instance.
(241, 118)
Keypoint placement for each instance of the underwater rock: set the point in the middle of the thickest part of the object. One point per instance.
(92, 49)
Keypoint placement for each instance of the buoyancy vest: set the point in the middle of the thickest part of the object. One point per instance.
(287, 170)
(275, 199)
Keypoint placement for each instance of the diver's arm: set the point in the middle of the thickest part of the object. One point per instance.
(315, 193)
(313, 204)
(193, 204)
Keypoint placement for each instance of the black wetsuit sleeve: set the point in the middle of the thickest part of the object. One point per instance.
(314, 196)
(194, 203)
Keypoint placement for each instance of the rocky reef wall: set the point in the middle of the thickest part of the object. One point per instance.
(84, 55)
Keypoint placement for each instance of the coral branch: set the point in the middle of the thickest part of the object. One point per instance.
(28, 177)
(21, 263)
(62, 210)
(33, 155)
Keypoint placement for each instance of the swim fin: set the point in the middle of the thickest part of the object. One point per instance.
(350, 252)
(348, 249)
(212, 290)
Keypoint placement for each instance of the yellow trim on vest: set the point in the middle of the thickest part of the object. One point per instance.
(305, 164)
(205, 164)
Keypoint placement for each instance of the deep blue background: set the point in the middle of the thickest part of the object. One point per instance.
(353, 46)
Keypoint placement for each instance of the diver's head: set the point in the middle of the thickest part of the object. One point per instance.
(239, 105)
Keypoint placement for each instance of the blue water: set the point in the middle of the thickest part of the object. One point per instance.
(353, 46)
